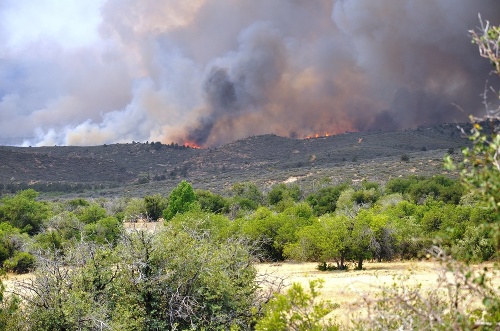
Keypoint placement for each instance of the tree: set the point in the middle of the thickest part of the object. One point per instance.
(91, 214)
(180, 200)
(323, 241)
(211, 202)
(282, 191)
(176, 279)
(135, 209)
(443, 308)
(155, 205)
(247, 196)
(325, 200)
(23, 211)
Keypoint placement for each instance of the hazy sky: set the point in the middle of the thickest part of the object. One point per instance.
(212, 71)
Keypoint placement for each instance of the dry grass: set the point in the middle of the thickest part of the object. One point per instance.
(348, 288)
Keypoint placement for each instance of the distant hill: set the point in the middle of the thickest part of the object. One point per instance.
(136, 169)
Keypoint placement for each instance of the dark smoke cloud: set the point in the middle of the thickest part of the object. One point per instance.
(212, 71)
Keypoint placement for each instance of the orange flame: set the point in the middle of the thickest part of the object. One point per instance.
(192, 144)
(320, 135)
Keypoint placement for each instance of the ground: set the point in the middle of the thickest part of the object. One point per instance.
(348, 288)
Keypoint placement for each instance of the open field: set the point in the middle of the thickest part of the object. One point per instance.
(348, 288)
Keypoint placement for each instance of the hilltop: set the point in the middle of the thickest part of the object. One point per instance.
(136, 169)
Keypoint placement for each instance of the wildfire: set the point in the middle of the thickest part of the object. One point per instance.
(320, 135)
(192, 144)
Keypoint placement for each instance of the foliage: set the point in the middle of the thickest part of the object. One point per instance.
(247, 196)
(211, 202)
(214, 225)
(275, 230)
(324, 240)
(298, 310)
(91, 213)
(176, 279)
(180, 200)
(155, 205)
(282, 192)
(10, 314)
(21, 263)
(480, 168)
(104, 231)
(135, 209)
(11, 241)
(23, 211)
(325, 200)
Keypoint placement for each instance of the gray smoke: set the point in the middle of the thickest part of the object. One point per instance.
(212, 71)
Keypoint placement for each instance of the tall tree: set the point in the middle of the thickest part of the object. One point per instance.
(180, 200)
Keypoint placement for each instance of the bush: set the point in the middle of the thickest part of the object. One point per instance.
(155, 205)
(299, 310)
(21, 263)
(331, 267)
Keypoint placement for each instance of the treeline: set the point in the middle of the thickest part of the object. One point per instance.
(197, 272)
(336, 224)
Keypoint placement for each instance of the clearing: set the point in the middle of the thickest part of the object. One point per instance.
(347, 288)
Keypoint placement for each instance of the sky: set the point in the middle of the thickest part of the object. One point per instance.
(208, 72)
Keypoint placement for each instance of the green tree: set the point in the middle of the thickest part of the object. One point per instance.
(273, 231)
(247, 196)
(155, 205)
(480, 168)
(135, 209)
(180, 200)
(11, 317)
(282, 192)
(325, 200)
(105, 231)
(91, 213)
(211, 202)
(23, 211)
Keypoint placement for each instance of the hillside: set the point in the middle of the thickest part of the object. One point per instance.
(136, 169)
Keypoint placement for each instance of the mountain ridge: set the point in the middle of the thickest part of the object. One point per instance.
(264, 158)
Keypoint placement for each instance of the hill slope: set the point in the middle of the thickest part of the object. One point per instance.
(138, 169)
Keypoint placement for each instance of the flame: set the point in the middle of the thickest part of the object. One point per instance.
(320, 135)
(192, 144)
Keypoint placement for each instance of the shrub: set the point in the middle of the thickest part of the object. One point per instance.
(21, 263)
(298, 310)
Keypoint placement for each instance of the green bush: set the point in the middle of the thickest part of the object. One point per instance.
(298, 310)
(21, 263)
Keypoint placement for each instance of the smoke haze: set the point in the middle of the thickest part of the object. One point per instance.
(211, 71)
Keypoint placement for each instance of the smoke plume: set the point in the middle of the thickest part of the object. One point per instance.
(211, 71)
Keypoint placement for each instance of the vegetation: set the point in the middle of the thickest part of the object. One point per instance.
(197, 271)
(298, 310)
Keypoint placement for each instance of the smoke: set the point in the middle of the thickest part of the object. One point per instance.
(212, 71)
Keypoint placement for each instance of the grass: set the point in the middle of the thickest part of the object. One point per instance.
(349, 288)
